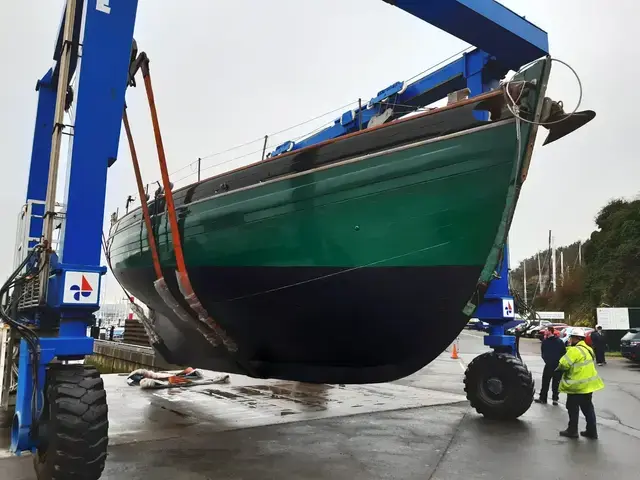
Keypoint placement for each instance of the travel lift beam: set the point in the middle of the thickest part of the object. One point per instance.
(504, 41)
(95, 42)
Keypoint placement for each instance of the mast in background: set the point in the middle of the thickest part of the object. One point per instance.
(553, 262)
(539, 274)
(524, 264)
(580, 252)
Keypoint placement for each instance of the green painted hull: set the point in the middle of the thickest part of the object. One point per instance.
(357, 270)
(435, 204)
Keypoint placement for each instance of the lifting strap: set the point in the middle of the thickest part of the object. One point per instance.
(160, 283)
(215, 332)
(184, 282)
(142, 195)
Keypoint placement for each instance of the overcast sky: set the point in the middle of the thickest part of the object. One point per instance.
(230, 72)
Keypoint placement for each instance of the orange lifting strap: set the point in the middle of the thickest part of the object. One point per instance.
(160, 284)
(183, 277)
(142, 195)
(214, 334)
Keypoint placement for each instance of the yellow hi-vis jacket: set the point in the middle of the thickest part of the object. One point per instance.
(580, 375)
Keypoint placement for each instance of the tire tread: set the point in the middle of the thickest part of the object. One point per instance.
(78, 425)
(521, 390)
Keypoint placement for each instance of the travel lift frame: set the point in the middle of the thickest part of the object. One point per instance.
(95, 41)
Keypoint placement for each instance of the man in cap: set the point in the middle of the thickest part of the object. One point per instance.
(552, 349)
(579, 380)
(599, 345)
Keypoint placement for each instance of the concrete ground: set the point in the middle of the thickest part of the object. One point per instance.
(420, 427)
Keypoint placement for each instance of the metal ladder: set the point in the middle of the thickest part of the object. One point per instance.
(8, 367)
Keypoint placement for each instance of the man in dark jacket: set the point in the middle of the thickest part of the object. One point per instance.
(599, 345)
(553, 349)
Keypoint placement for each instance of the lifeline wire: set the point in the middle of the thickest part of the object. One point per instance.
(261, 139)
(439, 63)
(224, 162)
(513, 107)
(303, 136)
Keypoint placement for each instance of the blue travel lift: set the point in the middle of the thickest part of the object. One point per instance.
(61, 411)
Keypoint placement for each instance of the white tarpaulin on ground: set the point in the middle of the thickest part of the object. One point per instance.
(613, 318)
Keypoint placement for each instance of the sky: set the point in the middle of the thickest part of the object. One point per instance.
(226, 73)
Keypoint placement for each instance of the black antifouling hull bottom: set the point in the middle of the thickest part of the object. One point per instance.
(322, 325)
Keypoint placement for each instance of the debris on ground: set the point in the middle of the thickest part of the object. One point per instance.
(189, 377)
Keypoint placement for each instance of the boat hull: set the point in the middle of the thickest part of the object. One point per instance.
(357, 260)
(357, 272)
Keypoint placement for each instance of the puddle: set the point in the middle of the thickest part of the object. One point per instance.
(307, 397)
(221, 393)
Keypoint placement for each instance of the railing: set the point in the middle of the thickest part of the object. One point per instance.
(8, 367)
(24, 239)
(30, 215)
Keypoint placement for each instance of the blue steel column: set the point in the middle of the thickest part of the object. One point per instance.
(491, 309)
(106, 53)
(478, 79)
(102, 83)
(41, 152)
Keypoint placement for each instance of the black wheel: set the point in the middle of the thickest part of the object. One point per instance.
(499, 386)
(74, 425)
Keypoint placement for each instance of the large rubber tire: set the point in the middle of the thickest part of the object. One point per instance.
(499, 386)
(75, 425)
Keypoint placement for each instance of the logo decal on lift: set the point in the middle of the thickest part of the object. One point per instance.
(507, 308)
(81, 288)
(84, 289)
(103, 6)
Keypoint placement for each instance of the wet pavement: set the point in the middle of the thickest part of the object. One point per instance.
(420, 427)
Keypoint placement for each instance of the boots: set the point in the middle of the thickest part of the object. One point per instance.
(592, 434)
(569, 434)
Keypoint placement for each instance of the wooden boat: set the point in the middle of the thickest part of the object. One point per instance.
(356, 260)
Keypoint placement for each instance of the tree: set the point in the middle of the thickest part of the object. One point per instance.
(613, 256)
(609, 274)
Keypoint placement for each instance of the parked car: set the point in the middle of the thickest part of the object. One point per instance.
(566, 332)
(529, 332)
(483, 326)
(543, 325)
(532, 324)
(533, 332)
(630, 345)
(476, 324)
(520, 328)
(512, 324)
(541, 333)
(471, 324)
